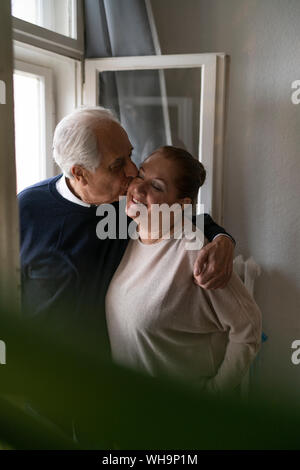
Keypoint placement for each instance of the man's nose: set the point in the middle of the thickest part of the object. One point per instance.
(131, 170)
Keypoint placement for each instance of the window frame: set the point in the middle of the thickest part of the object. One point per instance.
(10, 288)
(47, 165)
(44, 38)
(212, 105)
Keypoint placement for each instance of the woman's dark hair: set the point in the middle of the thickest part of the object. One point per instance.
(191, 172)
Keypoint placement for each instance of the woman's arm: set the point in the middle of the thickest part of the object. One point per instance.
(240, 316)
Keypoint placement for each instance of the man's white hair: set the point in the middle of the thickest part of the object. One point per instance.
(75, 141)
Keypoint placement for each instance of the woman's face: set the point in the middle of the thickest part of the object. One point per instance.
(155, 184)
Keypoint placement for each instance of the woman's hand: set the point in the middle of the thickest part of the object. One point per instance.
(213, 267)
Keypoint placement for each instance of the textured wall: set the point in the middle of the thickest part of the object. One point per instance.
(262, 161)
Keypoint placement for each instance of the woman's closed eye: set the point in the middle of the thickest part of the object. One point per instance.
(154, 184)
(156, 187)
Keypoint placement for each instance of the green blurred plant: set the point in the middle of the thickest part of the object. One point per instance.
(56, 393)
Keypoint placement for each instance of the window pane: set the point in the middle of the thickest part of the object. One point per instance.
(26, 10)
(28, 129)
(156, 107)
(56, 15)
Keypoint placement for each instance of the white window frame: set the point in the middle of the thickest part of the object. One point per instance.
(47, 127)
(212, 109)
(44, 38)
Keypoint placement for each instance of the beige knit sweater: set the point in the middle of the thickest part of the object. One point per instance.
(161, 323)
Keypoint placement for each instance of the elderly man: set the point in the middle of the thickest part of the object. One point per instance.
(66, 269)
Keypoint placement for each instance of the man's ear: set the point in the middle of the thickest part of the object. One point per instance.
(79, 174)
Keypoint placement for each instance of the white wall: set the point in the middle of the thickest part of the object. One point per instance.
(262, 161)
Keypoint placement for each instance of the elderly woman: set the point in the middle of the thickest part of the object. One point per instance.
(158, 320)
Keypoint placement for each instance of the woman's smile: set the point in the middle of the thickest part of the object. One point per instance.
(131, 200)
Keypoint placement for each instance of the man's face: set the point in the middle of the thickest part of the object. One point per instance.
(111, 179)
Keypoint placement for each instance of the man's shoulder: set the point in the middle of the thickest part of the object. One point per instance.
(40, 186)
(38, 190)
(38, 199)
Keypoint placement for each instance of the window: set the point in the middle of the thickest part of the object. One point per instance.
(33, 123)
(27, 11)
(47, 87)
(183, 106)
(54, 25)
(48, 49)
(57, 15)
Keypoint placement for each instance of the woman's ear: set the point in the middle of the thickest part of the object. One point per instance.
(185, 200)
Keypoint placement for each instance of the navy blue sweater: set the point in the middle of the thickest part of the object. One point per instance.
(66, 269)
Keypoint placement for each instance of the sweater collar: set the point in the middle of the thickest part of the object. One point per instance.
(65, 192)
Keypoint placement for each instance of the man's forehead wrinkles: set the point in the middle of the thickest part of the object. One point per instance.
(115, 151)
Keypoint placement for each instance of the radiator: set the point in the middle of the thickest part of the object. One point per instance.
(248, 270)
